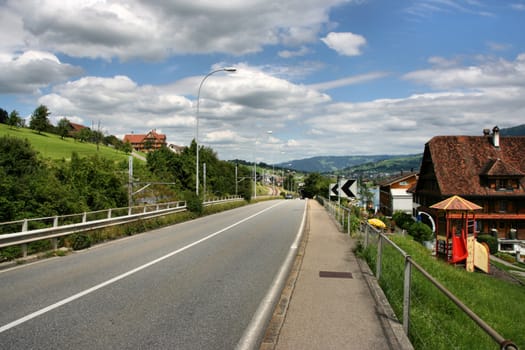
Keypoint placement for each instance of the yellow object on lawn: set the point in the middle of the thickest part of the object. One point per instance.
(377, 223)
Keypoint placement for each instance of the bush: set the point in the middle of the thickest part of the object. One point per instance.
(193, 203)
(491, 241)
(402, 219)
(420, 231)
(80, 241)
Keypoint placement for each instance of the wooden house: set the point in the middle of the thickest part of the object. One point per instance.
(487, 170)
(146, 142)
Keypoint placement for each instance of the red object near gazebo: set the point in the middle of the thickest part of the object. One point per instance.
(460, 224)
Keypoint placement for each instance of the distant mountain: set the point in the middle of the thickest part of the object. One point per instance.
(374, 164)
(514, 131)
(331, 164)
(387, 167)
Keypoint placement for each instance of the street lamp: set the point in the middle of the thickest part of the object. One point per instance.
(228, 69)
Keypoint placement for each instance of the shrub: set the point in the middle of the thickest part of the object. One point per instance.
(193, 203)
(402, 219)
(491, 241)
(80, 241)
(420, 231)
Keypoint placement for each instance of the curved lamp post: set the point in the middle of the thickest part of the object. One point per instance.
(229, 69)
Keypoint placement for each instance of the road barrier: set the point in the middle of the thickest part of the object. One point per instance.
(21, 232)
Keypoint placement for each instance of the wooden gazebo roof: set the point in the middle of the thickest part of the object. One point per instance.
(456, 203)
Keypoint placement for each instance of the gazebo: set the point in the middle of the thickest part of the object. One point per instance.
(457, 239)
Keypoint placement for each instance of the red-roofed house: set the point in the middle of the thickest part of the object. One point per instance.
(488, 170)
(146, 142)
(394, 194)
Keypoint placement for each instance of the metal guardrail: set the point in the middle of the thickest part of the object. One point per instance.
(62, 225)
(339, 213)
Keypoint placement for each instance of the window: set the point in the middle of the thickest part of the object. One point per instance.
(503, 205)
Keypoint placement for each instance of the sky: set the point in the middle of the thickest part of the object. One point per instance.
(313, 77)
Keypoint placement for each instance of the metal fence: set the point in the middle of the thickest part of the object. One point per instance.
(404, 281)
(22, 232)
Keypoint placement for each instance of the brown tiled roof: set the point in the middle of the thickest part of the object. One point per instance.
(134, 138)
(397, 178)
(77, 127)
(460, 162)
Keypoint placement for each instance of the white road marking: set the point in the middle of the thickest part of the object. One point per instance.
(124, 275)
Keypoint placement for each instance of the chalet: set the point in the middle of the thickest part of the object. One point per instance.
(394, 194)
(487, 170)
(146, 142)
(75, 128)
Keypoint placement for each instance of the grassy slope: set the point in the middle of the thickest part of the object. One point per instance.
(435, 322)
(53, 147)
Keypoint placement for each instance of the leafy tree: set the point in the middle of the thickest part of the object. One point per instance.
(14, 120)
(314, 185)
(63, 127)
(28, 188)
(84, 135)
(127, 147)
(3, 116)
(39, 119)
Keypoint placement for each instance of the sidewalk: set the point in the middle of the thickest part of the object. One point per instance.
(327, 302)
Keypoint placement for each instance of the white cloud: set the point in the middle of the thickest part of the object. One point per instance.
(346, 44)
(348, 81)
(153, 30)
(33, 70)
(488, 74)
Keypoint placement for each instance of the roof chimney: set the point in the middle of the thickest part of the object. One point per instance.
(486, 132)
(495, 137)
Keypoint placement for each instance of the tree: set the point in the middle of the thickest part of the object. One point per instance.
(84, 135)
(63, 127)
(14, 120)
(314, 185)
(3, 116)
(39, 119)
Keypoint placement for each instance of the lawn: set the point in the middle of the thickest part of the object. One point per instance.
(53, 147)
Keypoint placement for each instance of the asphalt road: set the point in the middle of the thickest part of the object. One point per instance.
(194, 285)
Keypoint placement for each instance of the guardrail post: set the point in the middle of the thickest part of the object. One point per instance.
(129, 211)
(145, 209)
(84, 217)
(406, 294)
(54, 243)
(109, 213)
(55, 221)
(379, 259)
(348, 225)
(24, 250)
(366, 235)
(24, 225)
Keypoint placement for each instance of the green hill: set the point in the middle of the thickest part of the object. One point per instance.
(51, 146)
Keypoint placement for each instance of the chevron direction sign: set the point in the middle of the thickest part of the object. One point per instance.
(344, 189)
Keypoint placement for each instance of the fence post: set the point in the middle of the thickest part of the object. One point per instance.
(406, 294)
(55, 221)
(24, 225)
(109, 213)
(379, 258)
(348, 226)
(366, 235)
(84, 217)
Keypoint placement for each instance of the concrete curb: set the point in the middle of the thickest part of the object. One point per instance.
(271, 336)
(393, 330)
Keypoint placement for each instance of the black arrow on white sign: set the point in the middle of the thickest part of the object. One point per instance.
(335, 189)
(347, 188)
